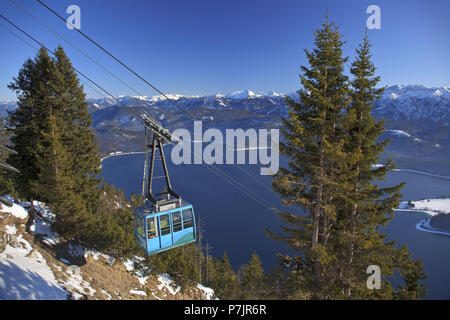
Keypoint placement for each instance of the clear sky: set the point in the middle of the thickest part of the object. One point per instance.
(201, 47)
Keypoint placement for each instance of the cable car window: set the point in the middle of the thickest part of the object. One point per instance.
(187, 218)
(152, 230)
(164, 224)
(139, 225)
(176, 220)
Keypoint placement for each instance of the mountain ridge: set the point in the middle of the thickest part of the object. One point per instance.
(417, 117)
(401, 102)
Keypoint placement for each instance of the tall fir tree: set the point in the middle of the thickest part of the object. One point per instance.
(224, 282)
(331, 143)
(367, 207)
(27, 122)
(77, 132)
(57, 153)
(252, 278)
(314, 140)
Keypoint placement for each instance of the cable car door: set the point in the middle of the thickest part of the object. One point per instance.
(165, 231)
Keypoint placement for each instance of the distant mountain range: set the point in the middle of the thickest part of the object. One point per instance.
(414, 102)
(416, 117)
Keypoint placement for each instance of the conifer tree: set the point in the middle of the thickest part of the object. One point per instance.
(57, 154)
(85, 160)
(224, 282)
(32, 87)
(367, 207)
(252, 278)
(331, 142)
(314, 139)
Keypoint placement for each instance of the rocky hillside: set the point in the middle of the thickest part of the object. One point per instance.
(43, 266)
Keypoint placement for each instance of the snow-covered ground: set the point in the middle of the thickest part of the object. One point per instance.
(25, 275)
(433, 205)
(207, 292)
(399, 133)
(117, 153)
(15, 210)
(167, 283)
(430, 206)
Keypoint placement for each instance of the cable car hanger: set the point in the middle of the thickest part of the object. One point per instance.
(161, 223)
(160, 137)
(216, 171)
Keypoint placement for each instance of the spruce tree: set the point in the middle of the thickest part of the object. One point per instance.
(57, 154)
(367, 207)
(314, 139)
(224, 282)
(27, 122)
(252, 278)
(77, 132)
(331, 143)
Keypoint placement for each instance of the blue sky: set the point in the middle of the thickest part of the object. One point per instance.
(208, 46)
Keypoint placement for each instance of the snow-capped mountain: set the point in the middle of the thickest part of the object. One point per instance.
(410, 102)
(414, 102)
(6, 106)
(417, 117)
(243, 94)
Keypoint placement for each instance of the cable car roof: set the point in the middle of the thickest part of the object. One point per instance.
(151, 209)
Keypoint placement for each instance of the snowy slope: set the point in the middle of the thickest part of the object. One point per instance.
(24, 273)
(28, 271)
(24, 277)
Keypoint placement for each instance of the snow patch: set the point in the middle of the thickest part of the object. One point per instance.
(208, 293)
(167, 283)
(393, 96)
(95, 255)
(425, 225)
(138, 292)
(76, 282)
(435, 205)
(15, 210)
(43, 227)
(107, 294)
(24, 277)
(11, 229)
(129, 265)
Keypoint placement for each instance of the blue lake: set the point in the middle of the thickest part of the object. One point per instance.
(235, 223)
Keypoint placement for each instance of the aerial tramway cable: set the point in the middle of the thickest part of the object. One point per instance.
(217, 171)
(147, 82)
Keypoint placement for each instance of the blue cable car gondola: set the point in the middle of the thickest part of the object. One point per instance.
(166, 222)
(166, 229)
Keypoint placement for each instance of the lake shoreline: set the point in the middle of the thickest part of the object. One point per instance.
(221, 215)
(425, 225)
(118, 153)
